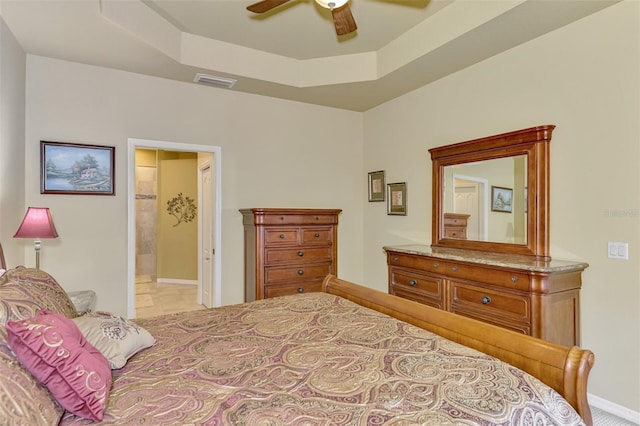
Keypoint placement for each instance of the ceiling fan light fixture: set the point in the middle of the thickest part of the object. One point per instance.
(332, 4)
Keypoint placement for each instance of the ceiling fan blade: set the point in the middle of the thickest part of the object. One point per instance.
(265, 5)
(343, 20)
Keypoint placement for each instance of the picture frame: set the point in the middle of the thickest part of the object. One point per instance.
(376, 186)
(501, 199)
(77, 169)
(397, 199)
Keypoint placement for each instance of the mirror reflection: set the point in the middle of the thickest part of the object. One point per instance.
(486, 200)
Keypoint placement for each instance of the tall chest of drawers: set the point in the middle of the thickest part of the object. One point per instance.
(288, 251)
(455, 225)
(537, 298)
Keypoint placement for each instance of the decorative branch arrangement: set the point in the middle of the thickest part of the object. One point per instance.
(182, 208)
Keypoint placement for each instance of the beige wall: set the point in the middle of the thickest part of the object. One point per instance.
(585, 79)
(12, 168)
(275, 153)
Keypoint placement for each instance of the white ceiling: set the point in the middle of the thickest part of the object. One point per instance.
(291, 52)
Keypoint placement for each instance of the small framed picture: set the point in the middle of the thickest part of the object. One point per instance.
(376, 186)
(70, 168)
(397, 199)
(501, 199)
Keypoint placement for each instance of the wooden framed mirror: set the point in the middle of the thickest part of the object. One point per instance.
(492, 194)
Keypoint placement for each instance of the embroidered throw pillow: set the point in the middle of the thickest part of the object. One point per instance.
(115, 337)
(56, 353)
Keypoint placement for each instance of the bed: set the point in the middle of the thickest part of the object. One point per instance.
(348, 355)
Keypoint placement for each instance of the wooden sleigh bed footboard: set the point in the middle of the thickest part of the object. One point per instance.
(565, 369)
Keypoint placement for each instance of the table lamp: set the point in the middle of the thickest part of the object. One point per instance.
(37, 223)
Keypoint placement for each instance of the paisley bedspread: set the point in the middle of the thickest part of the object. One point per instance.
(317, 359)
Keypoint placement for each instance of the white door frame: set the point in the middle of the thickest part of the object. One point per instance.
(132, 144)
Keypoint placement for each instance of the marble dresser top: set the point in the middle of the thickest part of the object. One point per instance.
(491, 259)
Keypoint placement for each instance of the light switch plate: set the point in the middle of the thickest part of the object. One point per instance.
(618, 250)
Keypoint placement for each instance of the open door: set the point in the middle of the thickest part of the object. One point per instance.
(208, 251)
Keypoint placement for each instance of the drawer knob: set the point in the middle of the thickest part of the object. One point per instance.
(282, 236)
(412, 283)
(436, 265)
(300, 253)
(317, 218)
(485, 300)
(300, 272)
(317, 235)
(514, 279)
(281, 217)
(300, 290)
(454, 234)
(396, 258)
(454, 269)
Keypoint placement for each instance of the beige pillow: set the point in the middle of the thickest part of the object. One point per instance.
(115, 337)
(24, 292)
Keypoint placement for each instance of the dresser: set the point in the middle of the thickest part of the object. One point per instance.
(540, 298)
(288, 251)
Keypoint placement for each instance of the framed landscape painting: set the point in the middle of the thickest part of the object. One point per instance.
(501, 199)
(70, 168)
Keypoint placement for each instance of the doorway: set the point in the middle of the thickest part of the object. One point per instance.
(471, 196)
(208, 254)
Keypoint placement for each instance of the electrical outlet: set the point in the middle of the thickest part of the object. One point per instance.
(618, 250)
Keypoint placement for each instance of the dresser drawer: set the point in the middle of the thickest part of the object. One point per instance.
(421, 263)
(432, 287)
(455, 220)
(298, 219)
(455, 232)
(499, 277)
(281, 236)
(317, 235)
(418, 297)
(299, 254)
(489, 303)
(298, 273)
(285, 290)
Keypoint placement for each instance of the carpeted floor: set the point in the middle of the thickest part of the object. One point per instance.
(602, 418)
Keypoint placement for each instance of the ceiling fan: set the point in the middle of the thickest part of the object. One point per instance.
(340, 10)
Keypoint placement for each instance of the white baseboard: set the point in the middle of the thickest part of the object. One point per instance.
(176, 281)
(613, 408)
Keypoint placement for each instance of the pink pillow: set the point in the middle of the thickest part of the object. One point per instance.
(54, 350)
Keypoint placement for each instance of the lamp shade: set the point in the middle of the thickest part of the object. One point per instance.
(37, 223)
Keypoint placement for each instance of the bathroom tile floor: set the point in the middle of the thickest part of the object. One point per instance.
(154, 298)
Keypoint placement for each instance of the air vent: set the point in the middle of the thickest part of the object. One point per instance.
(214, 80)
